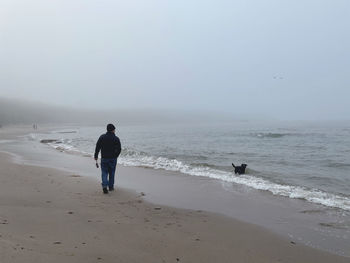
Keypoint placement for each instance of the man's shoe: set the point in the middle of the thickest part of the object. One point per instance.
(105, 191)
(111, 188)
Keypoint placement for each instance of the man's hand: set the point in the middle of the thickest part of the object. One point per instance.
(96, 159)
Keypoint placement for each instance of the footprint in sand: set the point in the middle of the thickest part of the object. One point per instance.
(75, 175)
(3, 221)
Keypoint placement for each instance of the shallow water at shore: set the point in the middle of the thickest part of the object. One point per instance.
(304, 222)
(304, 161)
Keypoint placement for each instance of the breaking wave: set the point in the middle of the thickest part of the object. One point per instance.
(130, 157)
(64, 145)
(135, 158)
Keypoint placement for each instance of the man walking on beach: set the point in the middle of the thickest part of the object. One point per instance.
(110, 147)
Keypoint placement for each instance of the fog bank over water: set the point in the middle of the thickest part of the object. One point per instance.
(282, 59)
(14, 111)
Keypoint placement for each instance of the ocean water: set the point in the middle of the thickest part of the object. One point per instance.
(309, 161)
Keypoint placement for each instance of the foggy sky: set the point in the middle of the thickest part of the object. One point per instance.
(272, 58)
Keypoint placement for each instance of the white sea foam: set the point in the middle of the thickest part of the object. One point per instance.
(136, 158)
(133, 158)
(65, 146)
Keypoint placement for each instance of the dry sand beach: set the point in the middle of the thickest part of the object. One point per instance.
(51, 215)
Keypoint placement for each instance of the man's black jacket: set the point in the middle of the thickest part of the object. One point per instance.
(109, 144)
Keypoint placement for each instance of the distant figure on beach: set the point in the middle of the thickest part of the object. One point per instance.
(110, 147)
(35, 127)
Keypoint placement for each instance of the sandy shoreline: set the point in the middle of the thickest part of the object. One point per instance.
(48, 215)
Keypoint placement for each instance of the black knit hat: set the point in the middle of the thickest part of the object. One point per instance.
(110, 127)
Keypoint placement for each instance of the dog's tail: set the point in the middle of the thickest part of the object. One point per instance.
(233, 165)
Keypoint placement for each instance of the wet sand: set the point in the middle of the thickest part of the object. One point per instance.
(49, 215)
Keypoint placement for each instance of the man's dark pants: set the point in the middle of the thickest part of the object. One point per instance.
(108, 166)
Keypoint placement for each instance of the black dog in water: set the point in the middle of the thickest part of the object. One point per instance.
(240, 169)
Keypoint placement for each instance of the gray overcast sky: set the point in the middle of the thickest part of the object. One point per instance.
(276, 58)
